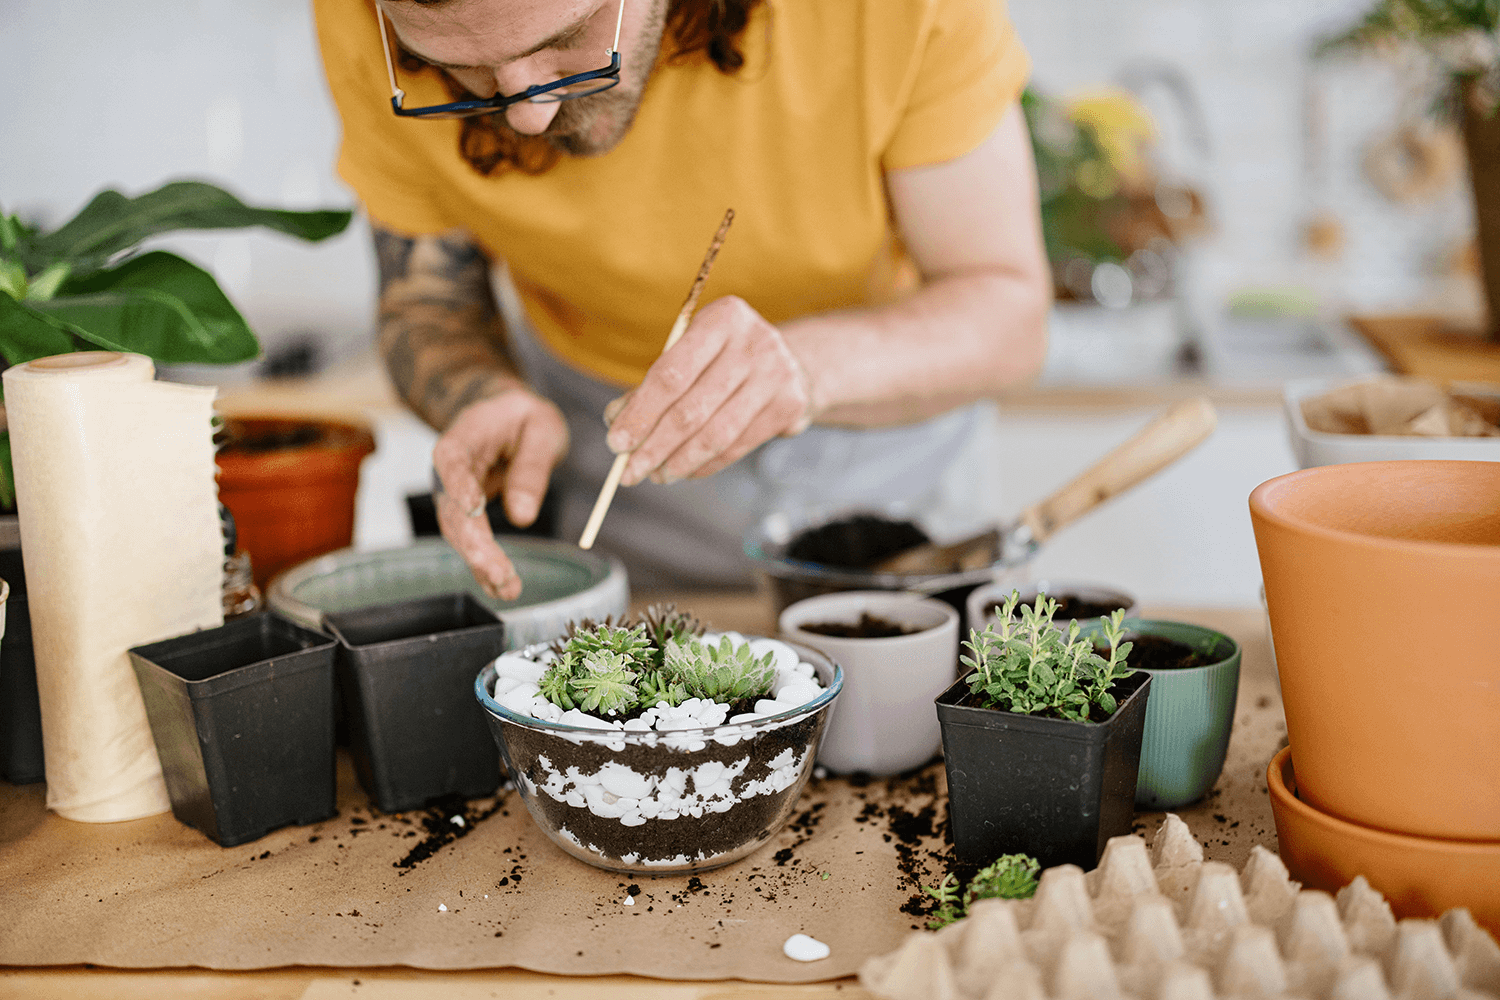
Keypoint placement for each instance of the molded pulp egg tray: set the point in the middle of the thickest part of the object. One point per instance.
(1167, 925)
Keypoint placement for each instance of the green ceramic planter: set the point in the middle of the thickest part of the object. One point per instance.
(1188, 717)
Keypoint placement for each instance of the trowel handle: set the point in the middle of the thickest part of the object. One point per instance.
(1158, 445)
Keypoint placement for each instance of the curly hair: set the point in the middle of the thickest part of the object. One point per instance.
(710, 28)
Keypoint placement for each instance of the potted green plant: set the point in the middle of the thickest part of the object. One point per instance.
(652, 746)
(87, 285)
(1042, 739)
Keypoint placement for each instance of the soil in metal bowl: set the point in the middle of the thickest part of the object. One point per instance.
(857, 542)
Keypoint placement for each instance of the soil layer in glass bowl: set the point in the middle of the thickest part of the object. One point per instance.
(1153, 652)
(1068, 606)
(712, 834)
(868, 627)
(857, 542)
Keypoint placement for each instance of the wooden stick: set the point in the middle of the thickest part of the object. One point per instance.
(612, 481)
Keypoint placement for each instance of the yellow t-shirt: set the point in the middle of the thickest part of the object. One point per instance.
(833, 94)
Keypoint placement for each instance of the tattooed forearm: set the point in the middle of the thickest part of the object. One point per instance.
(440, 333)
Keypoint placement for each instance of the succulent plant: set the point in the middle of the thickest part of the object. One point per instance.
(724, 672)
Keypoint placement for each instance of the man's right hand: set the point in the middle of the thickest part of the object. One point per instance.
(507, 445)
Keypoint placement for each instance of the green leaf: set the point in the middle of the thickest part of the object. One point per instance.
(45, 285)
(13, 279)
(25, 335)
(113, 222)
(158, 305)
(1107, 702)
(7, 473)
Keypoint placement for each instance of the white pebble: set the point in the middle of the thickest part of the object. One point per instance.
(620, 780)
(522, 668)
(785, 656)
(629, 900)
(745, 717)
(442, 908)
(766, 706)
(798, 694)
(504, 684)
(805, 669)
(802, 948)
(456, 820)
(518, 699)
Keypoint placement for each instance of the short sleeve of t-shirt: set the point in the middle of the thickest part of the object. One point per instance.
(382, 157)
(971, 68)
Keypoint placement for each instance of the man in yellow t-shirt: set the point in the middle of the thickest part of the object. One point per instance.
(884, 270)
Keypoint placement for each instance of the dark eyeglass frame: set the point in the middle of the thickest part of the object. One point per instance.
(541, 93)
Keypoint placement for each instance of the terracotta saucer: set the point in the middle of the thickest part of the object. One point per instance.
(1419, 876)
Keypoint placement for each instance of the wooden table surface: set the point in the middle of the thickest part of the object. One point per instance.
(1229, 821)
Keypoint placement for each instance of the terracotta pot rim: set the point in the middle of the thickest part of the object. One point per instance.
(1261, 508)
(1282, 795)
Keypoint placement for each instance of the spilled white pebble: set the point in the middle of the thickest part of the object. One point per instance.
(442, 908)
(802, 948)
(629, 900)
(456, 820)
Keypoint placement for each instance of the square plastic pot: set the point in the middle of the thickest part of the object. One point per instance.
(406, 673)
(242, 716)
(1051, 788)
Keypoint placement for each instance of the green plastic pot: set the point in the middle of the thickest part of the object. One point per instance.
(1188, 718)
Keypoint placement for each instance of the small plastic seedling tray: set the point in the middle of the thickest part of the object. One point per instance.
(242, 716)
(406, 672)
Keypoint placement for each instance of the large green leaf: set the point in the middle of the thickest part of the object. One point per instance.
(25, 335)
(112, 222)
(158, 305)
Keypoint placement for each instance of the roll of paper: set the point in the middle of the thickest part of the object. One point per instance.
(122, 545)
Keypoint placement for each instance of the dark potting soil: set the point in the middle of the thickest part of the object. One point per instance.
(1068, 606)
(868, 627)
(1096, 715)
(857, 542)
(1154, 652)
(710, 834)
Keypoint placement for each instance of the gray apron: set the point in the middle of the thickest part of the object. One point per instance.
(691, 533)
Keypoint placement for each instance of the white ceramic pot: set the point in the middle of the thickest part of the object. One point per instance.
(884, 722)
(981, 598)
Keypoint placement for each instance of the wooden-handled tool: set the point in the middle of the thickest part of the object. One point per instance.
(612, 481)
(1158, 445)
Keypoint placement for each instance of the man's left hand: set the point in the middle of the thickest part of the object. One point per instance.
(728, 385)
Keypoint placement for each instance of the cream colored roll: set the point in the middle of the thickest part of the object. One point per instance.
(122, 544)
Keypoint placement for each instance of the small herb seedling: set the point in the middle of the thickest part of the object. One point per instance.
(1031, 668)
(1011, 876)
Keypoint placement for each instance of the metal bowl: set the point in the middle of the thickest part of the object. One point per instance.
(791, 580)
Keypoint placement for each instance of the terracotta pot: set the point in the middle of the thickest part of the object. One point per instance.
(1383, 585)
(290, 484)
(1419, 876)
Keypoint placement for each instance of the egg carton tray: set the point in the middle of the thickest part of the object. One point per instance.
(1164, 924)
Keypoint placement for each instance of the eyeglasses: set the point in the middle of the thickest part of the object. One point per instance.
(566, 89)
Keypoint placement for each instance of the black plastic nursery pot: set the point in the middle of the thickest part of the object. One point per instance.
(1051, 788)
(406, 673)
(242, 716)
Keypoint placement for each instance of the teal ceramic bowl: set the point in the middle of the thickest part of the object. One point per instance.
(1188, 716)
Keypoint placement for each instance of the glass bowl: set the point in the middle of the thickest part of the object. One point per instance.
(718, 793)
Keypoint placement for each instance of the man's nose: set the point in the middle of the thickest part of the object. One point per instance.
(525, 117)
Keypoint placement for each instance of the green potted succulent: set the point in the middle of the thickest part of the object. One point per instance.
(1042, 738)
(652, 746)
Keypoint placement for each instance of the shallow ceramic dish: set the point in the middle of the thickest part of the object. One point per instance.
(764, 764)
(562, 584)
(1420, 876)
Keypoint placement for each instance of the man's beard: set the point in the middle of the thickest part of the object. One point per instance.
(594, 125)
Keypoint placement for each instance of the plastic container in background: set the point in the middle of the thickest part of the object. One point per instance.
(1051, 788)
(242, 716)
(406, 673)
(1319, 448)
(884, 722)
(21, 758)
